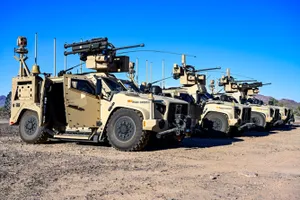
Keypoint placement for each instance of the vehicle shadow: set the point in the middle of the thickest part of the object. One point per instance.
(286, 127)
(193, 143)
(158, 145)
(257, 133)
(78, 142)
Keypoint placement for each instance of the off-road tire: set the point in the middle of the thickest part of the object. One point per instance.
(125, 131)
(30, 131)
(219, 123)
(259, 120)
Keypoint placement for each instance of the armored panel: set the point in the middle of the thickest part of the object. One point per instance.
(188, 80)
(99, 63)
(202, 79)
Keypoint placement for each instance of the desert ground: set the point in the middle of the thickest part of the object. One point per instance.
(258, 165)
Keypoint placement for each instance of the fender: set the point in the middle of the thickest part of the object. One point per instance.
(33, 107)
(144, 112)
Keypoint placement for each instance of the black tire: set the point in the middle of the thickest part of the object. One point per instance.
(30, 131)
(125, 132)
(258, 119)
(216, 123)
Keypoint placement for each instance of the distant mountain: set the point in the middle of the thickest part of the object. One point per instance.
(2, 100)
(285, 102)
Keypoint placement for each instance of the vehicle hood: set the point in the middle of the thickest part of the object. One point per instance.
(156, 97)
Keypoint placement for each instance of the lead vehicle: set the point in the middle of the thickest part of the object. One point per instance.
(92, 106)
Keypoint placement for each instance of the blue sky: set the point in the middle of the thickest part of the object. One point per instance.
(257, 39)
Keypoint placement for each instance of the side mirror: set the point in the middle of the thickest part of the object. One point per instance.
(98, 87)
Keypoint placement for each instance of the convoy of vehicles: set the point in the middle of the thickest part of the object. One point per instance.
(263, 116)
(208, 113)
(99, 107)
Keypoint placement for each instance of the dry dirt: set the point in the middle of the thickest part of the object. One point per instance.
(259, 165)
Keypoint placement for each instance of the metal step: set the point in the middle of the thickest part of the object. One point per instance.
(72, 136)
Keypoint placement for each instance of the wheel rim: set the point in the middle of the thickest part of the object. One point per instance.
(217, 124)
(124, 128)
(256, 120)
(30, 125)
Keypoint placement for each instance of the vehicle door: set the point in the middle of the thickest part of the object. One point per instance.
(81, 102)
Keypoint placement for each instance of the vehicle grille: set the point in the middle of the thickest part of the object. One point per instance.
(288, 113)
(175, 109)
(246, 115)
(276, 115)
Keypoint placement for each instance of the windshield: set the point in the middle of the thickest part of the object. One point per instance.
(244, 101)
(130, 86)
(234, 100)
(203, 97)
(113, 85)
(255, 101)
(226, 98)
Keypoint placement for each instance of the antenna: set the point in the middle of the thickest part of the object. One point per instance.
(163, 73)
(35, 49)
(150, 71)
(146, 71)
(228, 72)
(54, 57)
(65, 68)
(183, 60)
(80, 63)
(65, 61)
(137, 70)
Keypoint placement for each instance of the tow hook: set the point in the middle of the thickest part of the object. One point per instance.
(182, 125)
(278, 122)
(247, 126)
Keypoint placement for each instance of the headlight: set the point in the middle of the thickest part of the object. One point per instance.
(160, 108)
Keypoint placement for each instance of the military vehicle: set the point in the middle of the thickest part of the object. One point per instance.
(91, 106)
(264, 116)
(207, 114)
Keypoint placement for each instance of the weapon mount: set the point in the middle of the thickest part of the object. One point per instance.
(100, 55)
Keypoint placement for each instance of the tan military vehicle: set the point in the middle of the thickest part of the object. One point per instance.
(264, 116)
(286, 114)
(92, 106)
(207, 113)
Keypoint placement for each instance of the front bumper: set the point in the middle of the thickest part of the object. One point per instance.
(181, 126)
(234, 122)
(278, 122)
(269, 119)
(247, 126)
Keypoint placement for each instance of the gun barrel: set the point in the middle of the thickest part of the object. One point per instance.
(251, 85)
(129, 47)
(266, 84)
(86, 42)
(240, 81)
(89, 48)
(207, 69)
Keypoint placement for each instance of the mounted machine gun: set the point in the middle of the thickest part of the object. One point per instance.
(100, 55)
